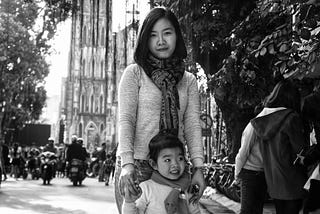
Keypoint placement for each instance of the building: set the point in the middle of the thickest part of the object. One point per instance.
(86, 88)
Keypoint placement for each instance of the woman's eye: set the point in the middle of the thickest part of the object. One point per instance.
(167, 32)
(167, 160)
(153, 35)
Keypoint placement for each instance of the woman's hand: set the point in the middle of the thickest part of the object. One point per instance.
(197, 180)
(128, 182)
(130, 198)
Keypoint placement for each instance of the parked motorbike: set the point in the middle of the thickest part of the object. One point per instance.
(47, 166)
(77, 171)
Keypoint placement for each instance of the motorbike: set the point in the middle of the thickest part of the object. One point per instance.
(77, 172)
(47, 166)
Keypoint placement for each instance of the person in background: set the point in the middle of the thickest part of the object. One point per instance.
(107, 168)
(16, 158)
(311, 158)
(249, 171)
(5, 159)
(155, 94)
(74, 151)
(50, 147)
(85, 153)
(102, 155)
(279, 131)
(169, 189)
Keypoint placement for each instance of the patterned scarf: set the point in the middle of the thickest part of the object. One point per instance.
(173, 203)
(166, 74)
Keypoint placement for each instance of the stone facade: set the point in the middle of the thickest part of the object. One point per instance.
(87, 82)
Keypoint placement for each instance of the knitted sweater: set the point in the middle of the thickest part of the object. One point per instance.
(139, 115)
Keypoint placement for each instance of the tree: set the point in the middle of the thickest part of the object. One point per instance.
(245, 47)
(23, 47)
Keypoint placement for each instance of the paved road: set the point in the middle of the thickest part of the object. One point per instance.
(31, 197)
(93, 197)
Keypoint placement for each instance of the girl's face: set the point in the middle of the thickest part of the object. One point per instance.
(170, 163)
(162, 41)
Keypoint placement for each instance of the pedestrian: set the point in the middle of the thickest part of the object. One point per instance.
(311, 158)
(280, 134)
(16, 160)
(168, 189)
(107, 168)
(102, 155)
(156, 93)
(5, 158)
(249, 171)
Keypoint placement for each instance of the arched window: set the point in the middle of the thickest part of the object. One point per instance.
(91, 104)
(101, 104)
(80, 130)
(84, 35)
(92, 74)
(102, 37)
(102, 69)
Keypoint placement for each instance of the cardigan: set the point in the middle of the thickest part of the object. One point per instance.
(139, 115)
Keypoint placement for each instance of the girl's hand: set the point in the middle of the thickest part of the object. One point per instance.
(197, 180)
(128, 181)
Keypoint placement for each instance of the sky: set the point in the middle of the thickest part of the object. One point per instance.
(58, 60)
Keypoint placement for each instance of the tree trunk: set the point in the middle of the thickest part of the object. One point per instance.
(235, 120)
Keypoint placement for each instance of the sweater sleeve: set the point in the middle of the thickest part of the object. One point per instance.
(192, 126)
(128, 97)
(244, 151)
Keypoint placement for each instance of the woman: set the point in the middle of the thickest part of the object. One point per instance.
(157, 94)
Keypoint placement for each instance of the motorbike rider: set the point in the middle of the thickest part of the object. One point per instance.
(84, 151)
(50, 147)
(74, 151)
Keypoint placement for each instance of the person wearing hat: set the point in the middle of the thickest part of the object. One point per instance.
(50, 147)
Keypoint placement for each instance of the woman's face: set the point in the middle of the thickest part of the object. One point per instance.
(162, 40)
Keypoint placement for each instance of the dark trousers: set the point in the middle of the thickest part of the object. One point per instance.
(253, 191)
(288, 206)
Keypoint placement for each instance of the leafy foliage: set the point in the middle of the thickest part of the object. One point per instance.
(244, 46)
(26, 27)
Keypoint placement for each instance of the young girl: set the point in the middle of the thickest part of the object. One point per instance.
(166, 191)
(156, 94)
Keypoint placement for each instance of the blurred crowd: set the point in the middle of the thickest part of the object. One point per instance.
(20, 161)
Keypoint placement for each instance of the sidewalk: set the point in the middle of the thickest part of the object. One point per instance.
(216, 203)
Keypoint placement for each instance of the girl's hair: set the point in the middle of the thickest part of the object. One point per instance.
(163, 140)
(142, 49)
(284, 94)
